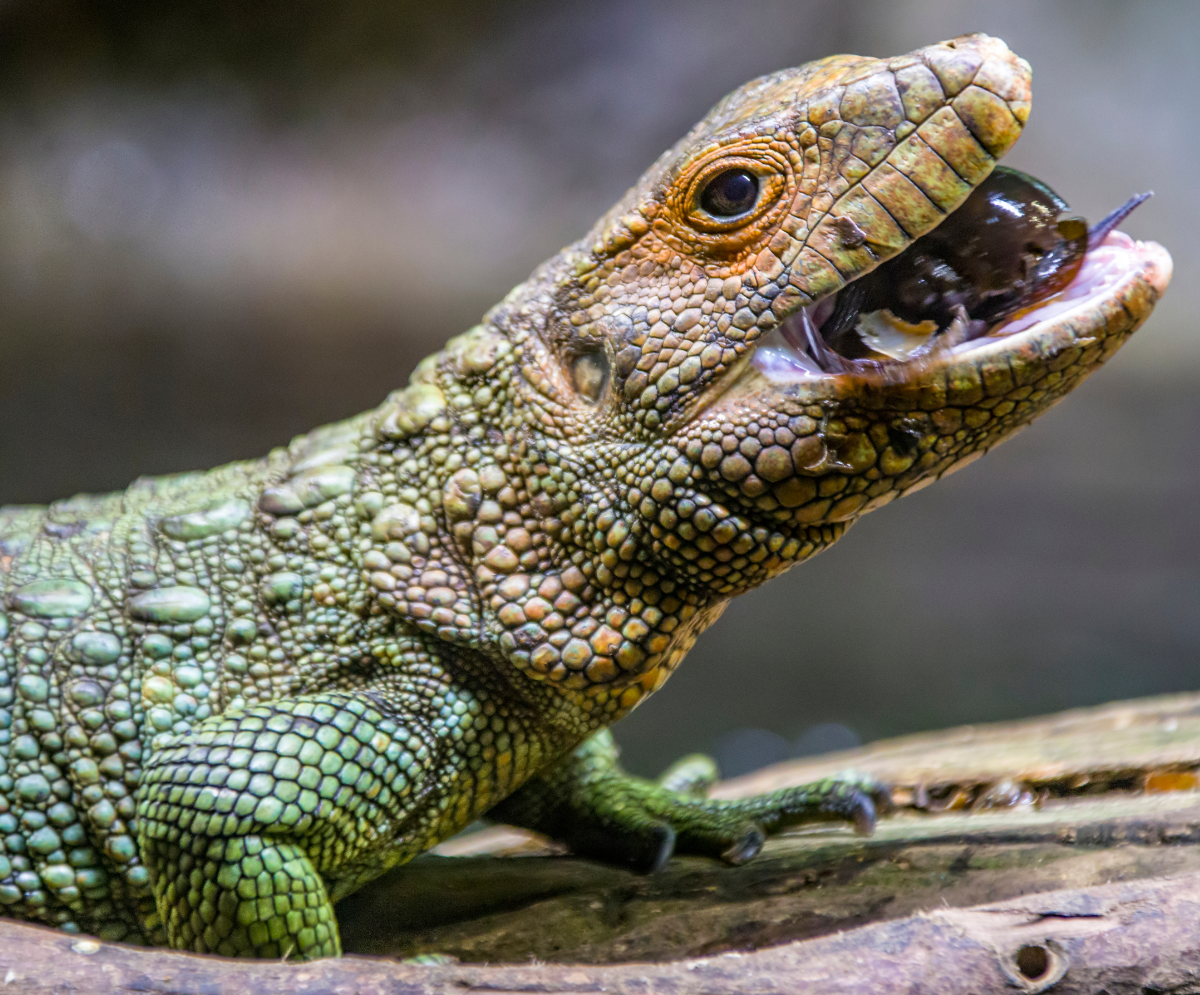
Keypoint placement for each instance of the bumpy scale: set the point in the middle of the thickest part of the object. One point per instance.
(229, 699)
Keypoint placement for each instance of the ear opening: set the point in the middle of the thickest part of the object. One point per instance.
(591, 374)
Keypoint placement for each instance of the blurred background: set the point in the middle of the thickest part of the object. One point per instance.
(223, 224)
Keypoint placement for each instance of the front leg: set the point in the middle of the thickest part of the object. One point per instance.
(588, 802)
(251, 896)
(244, 821)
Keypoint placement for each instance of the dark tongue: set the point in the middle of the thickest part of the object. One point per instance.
(1101, 228)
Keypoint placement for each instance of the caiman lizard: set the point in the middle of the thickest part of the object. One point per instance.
(229, 699)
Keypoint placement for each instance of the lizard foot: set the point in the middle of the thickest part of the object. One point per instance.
(588, 802)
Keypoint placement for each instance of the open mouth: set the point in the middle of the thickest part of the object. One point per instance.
(1011, 257)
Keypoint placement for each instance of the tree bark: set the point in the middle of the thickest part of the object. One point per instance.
(1053, 851)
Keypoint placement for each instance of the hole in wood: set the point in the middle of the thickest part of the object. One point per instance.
(1033, 961)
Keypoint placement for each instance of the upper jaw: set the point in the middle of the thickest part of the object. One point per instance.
(1117, 287)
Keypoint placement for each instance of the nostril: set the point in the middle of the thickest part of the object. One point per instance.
(1033, 961)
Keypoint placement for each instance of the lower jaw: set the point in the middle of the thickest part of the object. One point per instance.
(1074, 317)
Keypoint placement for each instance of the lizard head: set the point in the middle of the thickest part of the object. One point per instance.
(708, 388)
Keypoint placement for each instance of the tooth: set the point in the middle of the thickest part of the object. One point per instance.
(788, 332)
(826, 358)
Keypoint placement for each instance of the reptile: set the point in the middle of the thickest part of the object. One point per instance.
(228, 699)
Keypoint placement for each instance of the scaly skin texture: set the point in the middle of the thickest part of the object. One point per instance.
(228, 699)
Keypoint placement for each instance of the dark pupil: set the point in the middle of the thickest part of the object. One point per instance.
(732, 192)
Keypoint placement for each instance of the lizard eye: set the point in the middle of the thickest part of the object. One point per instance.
(730, 193)
(590, 375)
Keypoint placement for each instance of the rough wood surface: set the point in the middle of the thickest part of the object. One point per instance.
(1083, 751)
(566, 910)
(1130, 937)
(1094, 871)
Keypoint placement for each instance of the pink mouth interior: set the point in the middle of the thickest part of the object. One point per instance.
(781, 358)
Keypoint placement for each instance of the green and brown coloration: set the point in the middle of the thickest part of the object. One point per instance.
(229, 699)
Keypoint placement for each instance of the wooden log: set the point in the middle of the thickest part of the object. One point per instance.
(558, 909)
(1070, 838)
(1132, 937)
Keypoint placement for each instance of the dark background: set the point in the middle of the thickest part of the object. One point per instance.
(222, 224)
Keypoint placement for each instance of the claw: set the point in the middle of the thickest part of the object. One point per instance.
(863, 815)
(646, 852)
(666, 850)
(644, 848)
(746, 847)
(865, 800)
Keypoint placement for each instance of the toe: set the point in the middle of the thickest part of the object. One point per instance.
(693, 775)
